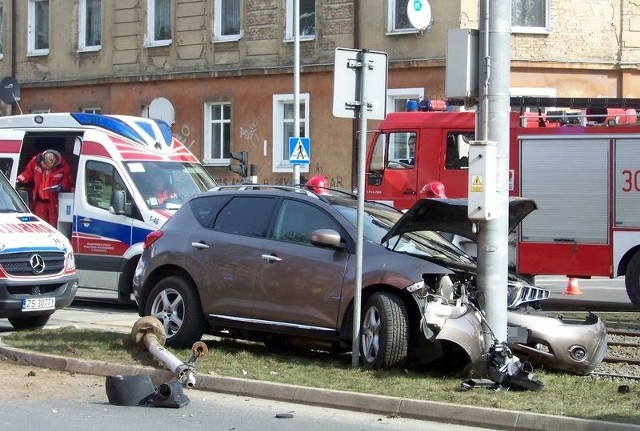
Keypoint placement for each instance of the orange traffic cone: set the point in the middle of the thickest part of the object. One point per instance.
(572, 287)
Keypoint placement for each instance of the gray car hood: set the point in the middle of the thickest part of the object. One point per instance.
(450, 215)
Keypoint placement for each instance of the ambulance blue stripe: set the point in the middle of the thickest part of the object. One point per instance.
(111, 230)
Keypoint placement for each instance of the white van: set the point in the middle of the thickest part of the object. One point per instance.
(37, 267)
(115, 161)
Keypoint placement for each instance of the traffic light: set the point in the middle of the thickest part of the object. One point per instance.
(240, 168)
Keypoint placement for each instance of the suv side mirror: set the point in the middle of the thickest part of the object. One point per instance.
(326, 238)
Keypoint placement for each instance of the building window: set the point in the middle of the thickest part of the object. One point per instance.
(158, 22)
(38, 42)
(530, 16)
(397, 18)
(283, 122)
(217, 142)
(226, 20)
(399, 98)
(90, 110)
(90, 25)
(307, 19)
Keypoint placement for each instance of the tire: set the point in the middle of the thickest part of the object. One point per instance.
(632, 280)
(31, 322)
(384, 332)
(175, 302)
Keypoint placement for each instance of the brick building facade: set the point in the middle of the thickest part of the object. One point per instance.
(225, 70)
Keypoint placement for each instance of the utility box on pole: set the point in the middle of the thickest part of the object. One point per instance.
(461, 80)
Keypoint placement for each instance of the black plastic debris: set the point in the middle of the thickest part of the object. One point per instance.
(138, 390)
(506, 370)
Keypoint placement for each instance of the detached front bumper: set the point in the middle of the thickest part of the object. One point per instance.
(555, 344)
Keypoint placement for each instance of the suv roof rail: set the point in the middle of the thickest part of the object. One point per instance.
(253, 186)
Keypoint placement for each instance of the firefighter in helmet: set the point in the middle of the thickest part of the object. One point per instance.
(434, 189)
(317, 184)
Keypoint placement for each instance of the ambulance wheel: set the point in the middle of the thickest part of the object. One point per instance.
(632, 280)
(31, 322)
(384, 339)
(175, 302)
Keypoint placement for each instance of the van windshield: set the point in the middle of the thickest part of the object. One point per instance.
(166, 185)
(10, 201)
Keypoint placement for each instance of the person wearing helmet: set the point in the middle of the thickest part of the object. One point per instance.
(317, 184)
(434, 189)
(50, 174)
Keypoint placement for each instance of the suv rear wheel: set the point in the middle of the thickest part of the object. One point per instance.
(384, 331)
(175, 303)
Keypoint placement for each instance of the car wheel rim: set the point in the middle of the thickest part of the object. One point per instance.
(168, 307)
(371, 334)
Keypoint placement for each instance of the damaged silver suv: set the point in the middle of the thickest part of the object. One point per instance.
(278, 265)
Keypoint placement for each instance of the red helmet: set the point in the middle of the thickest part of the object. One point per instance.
(317, 184)
(434, 189)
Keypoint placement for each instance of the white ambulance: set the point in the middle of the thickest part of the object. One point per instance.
(117, 164)
(37, 268)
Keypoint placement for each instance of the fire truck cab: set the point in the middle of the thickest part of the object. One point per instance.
(117, 161)
(582, 170)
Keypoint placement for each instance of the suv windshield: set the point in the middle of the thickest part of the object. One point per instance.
(167, 185)
(378, 219)
(9, 199)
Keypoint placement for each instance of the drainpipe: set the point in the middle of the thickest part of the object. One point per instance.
(13, 45)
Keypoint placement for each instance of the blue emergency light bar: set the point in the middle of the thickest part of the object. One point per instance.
(122, 128)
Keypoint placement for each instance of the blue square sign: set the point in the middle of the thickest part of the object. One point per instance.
(299, 151)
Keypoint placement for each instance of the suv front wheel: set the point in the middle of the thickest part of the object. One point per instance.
(175, 303)
(384, 331)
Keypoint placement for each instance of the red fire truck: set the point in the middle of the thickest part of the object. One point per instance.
(581, 168)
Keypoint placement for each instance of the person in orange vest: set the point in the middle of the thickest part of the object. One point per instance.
(50, 174)
(157, 190)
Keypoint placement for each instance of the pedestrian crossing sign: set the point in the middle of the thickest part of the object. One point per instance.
(299, 151)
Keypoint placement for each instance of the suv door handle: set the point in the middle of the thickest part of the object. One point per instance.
(200, 245)
(271, 258)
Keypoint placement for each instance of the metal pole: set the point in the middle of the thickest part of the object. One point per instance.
(493, 124)
(296, 82)
(362, 153)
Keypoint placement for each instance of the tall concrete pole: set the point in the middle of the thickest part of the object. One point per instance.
(493, 125)
(296, 82)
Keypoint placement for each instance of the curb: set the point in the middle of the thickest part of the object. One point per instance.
(403, 407)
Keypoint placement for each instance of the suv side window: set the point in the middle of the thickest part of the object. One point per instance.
(297, 220)
(206, 208)
(245, 215)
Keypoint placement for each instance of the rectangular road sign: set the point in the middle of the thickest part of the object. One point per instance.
(299, 151)
(346, 83)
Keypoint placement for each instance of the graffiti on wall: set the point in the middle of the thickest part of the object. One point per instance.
(184, 136)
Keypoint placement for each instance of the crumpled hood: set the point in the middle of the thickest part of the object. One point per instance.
(450, 215)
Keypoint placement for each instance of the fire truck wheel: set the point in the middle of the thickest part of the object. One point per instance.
(384, 332)
(632, 280)
(176, 304)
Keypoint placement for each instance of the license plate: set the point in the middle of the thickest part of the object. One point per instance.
(38, 304)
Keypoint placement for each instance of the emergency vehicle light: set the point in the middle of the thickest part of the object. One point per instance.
(111, 124)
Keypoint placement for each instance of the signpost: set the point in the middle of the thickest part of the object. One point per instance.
(359, 90)
(299, 151)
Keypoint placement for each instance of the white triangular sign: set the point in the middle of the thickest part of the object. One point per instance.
(299, 152)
